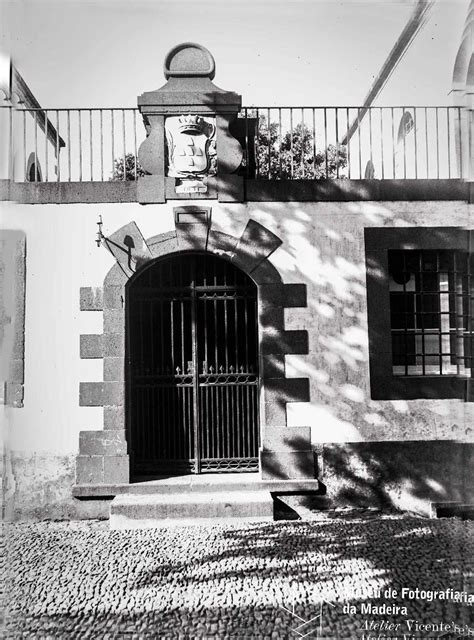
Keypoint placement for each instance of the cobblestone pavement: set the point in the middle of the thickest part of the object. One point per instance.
(273, 580)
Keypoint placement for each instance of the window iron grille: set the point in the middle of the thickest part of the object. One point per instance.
(431, 303)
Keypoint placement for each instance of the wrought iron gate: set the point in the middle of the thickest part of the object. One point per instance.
(192, 367)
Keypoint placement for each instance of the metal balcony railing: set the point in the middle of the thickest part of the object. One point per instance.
(280, 143)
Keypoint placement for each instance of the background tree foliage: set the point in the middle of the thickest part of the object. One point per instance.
(289, 156)
(130, 160)
(293, 155)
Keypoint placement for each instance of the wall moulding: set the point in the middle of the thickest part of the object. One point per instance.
(235, 188)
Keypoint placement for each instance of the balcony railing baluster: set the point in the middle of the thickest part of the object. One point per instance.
(124, 147)
(448, 127)
(437, 144)
(348, 145)
(36, 178)
(46, 147)
(90, 146)
(280, 143)
(135, 169)
(79, 119)
(415, 139)
(58, 165)
(113, 138)
(68, 144)
(382, 159)
(101, 125)
(326, 140)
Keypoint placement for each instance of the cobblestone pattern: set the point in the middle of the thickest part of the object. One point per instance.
(80, 580)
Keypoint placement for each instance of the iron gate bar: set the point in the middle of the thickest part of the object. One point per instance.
(188, 413)
(197, 443)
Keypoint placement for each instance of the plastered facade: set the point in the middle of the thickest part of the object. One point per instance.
(322, 247)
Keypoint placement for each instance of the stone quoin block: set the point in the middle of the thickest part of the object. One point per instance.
(295, 295)
(91, 299)
(110, 443)
(89, 469)
(114, 369)
(117, 469)
(272, 365)
(17, 371)
(114, 345)
(114, 394)
(114, 321)
(287, 439)
(271, 319)
(272, 295)
(286, 390)
(91, 394)
(285, 342)
(287, 465)
(275, 414)
(114, 297)
(283, 295)
(91, 346)
(114, 417)
(14, 394)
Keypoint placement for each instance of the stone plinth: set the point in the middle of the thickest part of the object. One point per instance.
(188, 137)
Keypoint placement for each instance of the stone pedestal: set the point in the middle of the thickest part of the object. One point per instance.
(188, 142)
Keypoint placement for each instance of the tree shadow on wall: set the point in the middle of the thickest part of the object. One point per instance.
(391, 475)
(406, 476)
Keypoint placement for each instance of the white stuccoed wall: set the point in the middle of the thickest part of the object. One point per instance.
(322, 246)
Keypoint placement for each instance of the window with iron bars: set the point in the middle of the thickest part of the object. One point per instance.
(420, 303)
(430, 300)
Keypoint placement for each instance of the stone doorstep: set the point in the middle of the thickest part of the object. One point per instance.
(190, 484)
(144, 511)
(118, 522)
(452, 509)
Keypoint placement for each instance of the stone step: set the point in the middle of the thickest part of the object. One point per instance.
(200, 484)
(139, 511)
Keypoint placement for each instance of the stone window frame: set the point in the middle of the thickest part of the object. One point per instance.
(12, 316)
(103, 457)
(383, 384)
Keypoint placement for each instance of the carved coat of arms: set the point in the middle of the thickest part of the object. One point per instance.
(191, 146)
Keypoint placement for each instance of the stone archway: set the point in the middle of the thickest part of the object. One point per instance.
(285, 451)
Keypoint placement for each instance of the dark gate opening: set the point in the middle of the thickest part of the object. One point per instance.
(192, 358)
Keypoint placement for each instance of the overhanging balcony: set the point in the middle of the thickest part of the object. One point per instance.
(290, 153)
